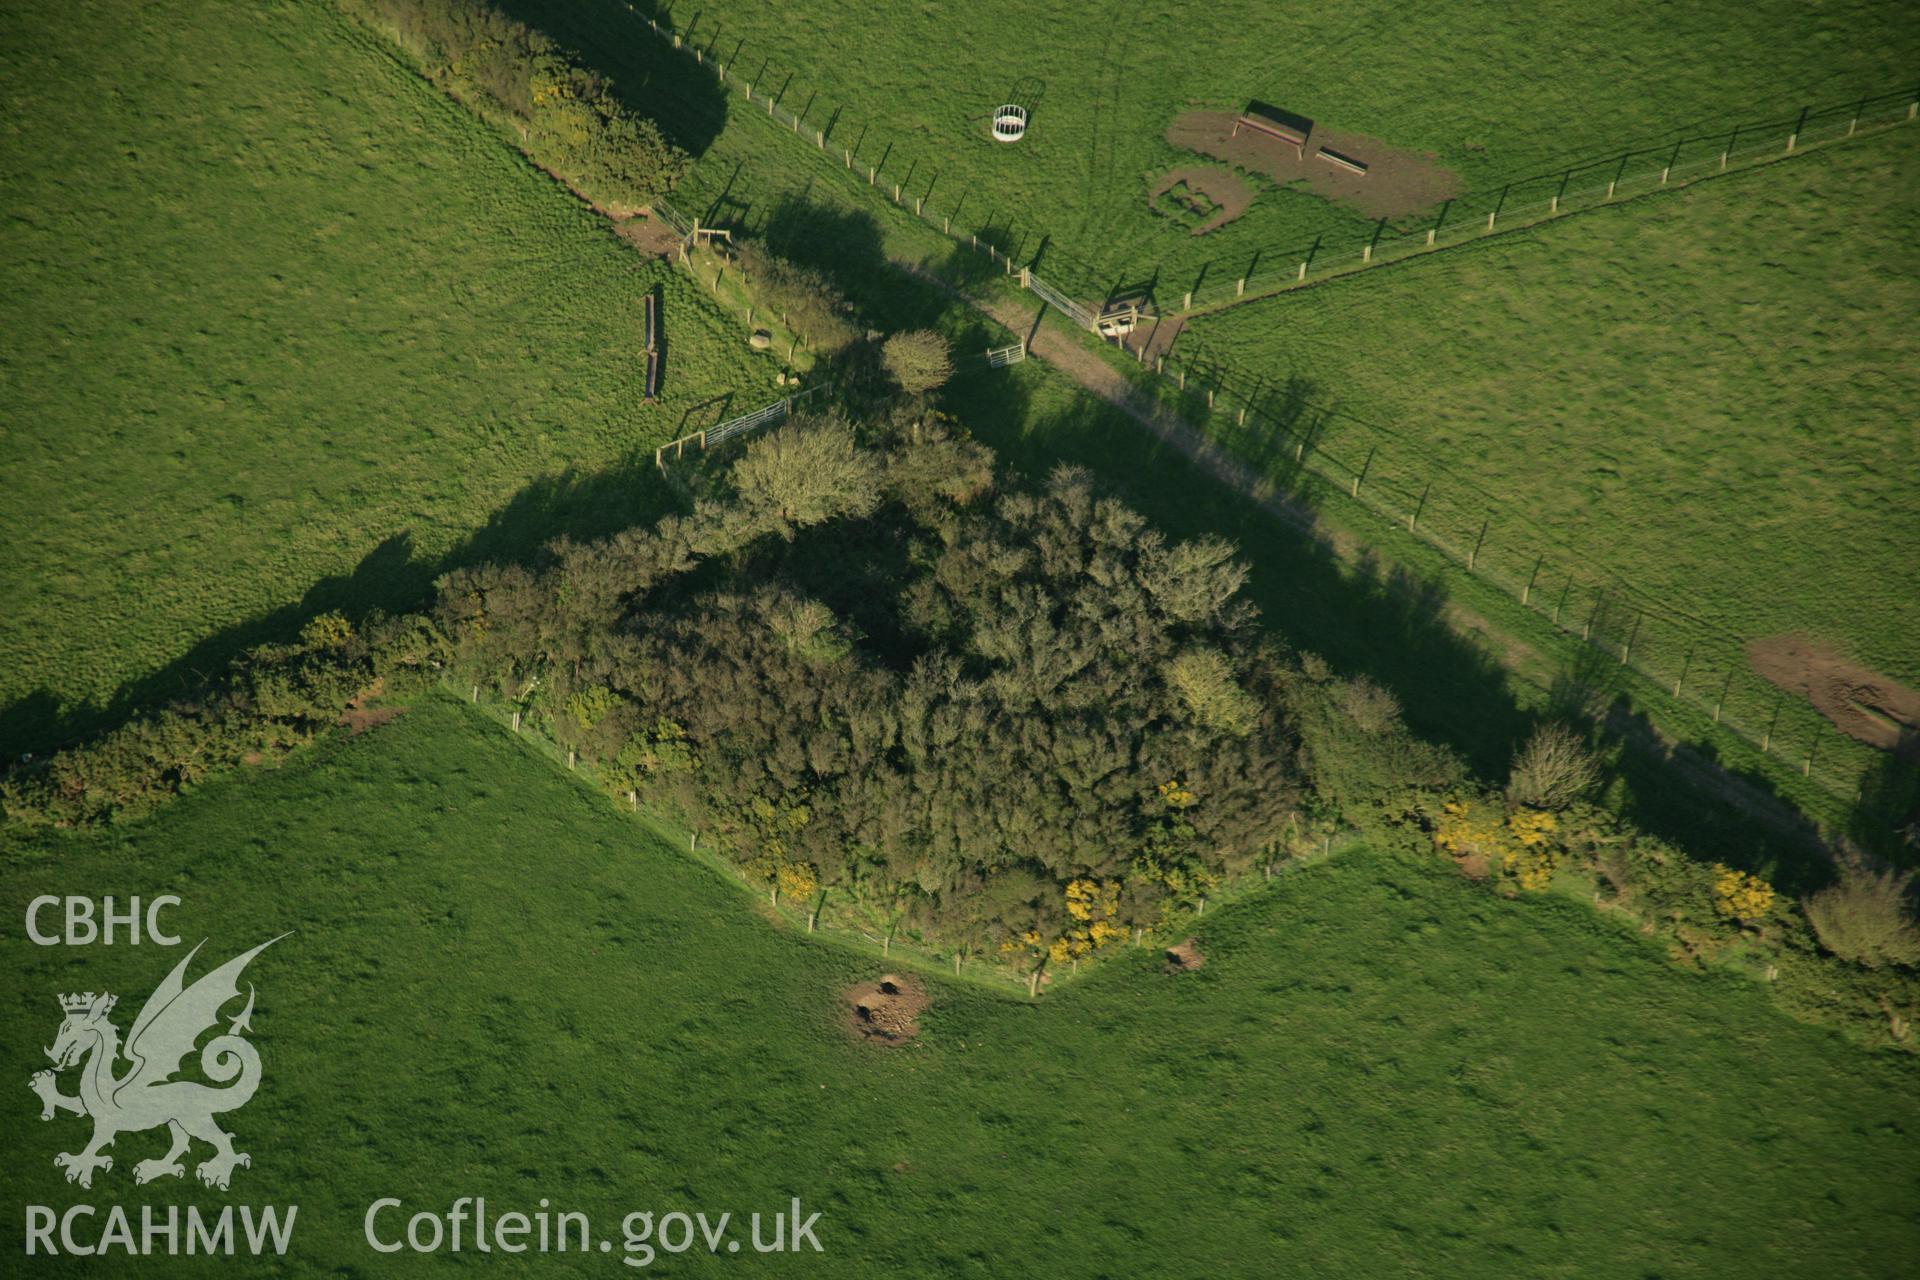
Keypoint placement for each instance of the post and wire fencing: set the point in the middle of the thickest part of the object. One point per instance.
(984, 240)
(1555, 193)
(1298, 447)
(1276, 268)
(733, 428)
(1695, 665)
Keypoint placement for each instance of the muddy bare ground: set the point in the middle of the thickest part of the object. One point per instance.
(1231, 197)
(885, 1010)
(1184, 955)
(359, 717)
(1862, 704)
(1396, 183)
(649, 235)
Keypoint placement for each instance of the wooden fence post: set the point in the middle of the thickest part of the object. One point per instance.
(1528, 593)
(1474, 554)
(1681, 680)
(1414, 518)
(1362, 473)
(1798, 126)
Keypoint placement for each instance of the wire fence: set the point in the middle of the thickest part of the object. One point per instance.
(1694, 664)
(1275, 268)
(1689, 660)
(778, 411)
(1555, 194)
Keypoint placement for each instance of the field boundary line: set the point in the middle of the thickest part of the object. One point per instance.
(1175, 429)
(1519, 202)
(1084, 366)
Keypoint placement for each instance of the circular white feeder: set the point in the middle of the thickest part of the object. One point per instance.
(1009, 123)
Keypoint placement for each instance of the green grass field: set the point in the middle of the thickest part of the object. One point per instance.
(287, 328)
(757, 175)
(1381, 1069)
(1494, 93)
(1700, 404)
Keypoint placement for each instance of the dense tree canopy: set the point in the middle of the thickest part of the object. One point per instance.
(1049, 693)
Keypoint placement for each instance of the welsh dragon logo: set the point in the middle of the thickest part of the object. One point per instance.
(146, 1096)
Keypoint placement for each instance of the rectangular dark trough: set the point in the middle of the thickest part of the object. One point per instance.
(1264, 117)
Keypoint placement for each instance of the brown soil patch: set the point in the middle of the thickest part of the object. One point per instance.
(1396, 182)
(1157, 337)
(1474, 866)
(1230, 196)
(1862, 704)
(1183, 956)
(359, 717)
(885, 1010)
(649, 235)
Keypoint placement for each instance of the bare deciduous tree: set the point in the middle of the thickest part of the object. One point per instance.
(1552, 770)
(1866, 917)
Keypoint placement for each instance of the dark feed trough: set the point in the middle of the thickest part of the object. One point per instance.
(1340, 161)
(1275, 122)
(653, 346)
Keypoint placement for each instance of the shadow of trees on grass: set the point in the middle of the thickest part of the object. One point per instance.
(391, 577)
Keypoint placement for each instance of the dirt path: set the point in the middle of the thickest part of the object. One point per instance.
(1076, 360)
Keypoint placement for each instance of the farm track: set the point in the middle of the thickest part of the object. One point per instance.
(1089, 370)
(1072, 357)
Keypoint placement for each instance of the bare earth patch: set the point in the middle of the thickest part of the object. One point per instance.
(649, 235)
(1474, 866)
(1862, 704)
(1184, 955)
(359, 717)
(885, 1010)
(1229, 196)
(1396, 183)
